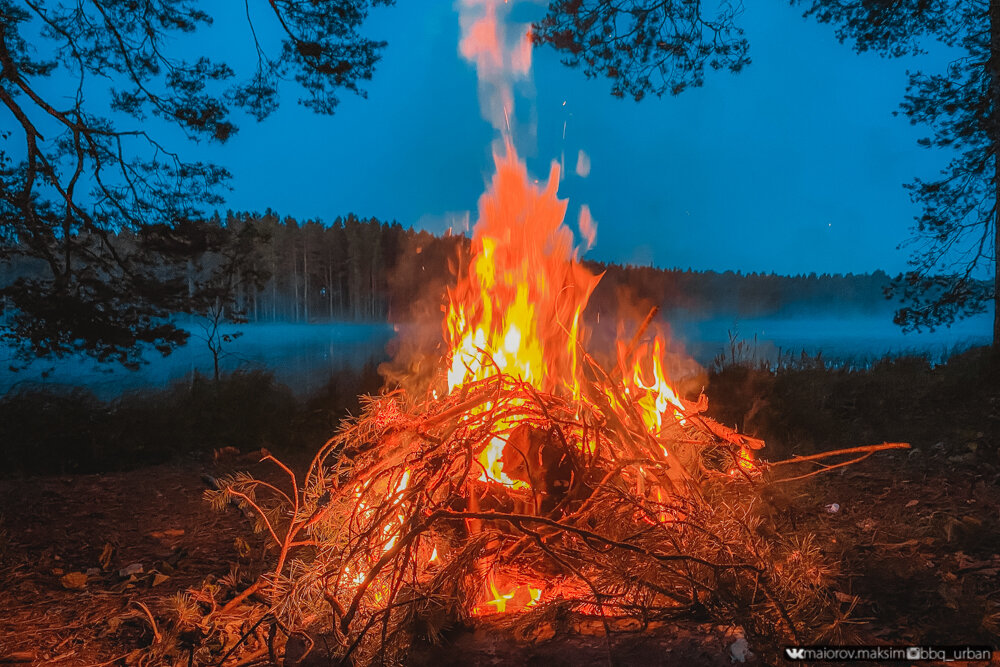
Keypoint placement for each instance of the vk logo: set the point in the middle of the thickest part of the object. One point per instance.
(795, 653)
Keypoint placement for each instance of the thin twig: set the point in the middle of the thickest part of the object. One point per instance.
(838, 452)
(152, 621)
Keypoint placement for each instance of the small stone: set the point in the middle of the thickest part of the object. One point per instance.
(740, 651)
(134, 568)
(74, 581)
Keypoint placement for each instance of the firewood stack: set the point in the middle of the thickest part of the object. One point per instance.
(397, 527)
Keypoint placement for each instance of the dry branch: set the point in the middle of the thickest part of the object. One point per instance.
(398, 520)
(869, 449)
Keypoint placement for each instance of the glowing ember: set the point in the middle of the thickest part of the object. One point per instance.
(745, 462)
(520, 598)
(499, 599)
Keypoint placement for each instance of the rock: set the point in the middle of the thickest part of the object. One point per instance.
(74, 581)
(134, 568)
(740, 651)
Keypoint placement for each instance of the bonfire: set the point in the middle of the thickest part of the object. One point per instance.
(526, 479)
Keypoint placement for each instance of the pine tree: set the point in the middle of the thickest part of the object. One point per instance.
(953, 269)
(89, 174)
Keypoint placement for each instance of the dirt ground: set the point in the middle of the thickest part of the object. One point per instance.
(90, 563)
(152, 518)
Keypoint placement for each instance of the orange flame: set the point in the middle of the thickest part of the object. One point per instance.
(744, 462)
(519, 598)
(518, 310)
(657, 398)
(499, 599)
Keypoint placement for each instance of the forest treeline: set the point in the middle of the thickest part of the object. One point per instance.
(368, 270)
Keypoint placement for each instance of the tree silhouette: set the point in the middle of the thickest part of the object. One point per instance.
(224, 278)
(645, 46)
(956, 236)
(76, 168)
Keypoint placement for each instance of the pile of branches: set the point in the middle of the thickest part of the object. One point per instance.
(396, 529)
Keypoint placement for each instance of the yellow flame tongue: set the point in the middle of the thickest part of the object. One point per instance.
(517, 310)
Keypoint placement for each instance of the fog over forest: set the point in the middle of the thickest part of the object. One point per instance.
(313, 298)
(368, 270)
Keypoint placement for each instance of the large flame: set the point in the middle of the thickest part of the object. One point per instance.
(518, 308)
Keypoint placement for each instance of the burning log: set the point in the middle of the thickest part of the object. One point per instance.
(540, 459)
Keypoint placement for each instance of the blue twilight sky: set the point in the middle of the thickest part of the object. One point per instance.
(795, 165)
